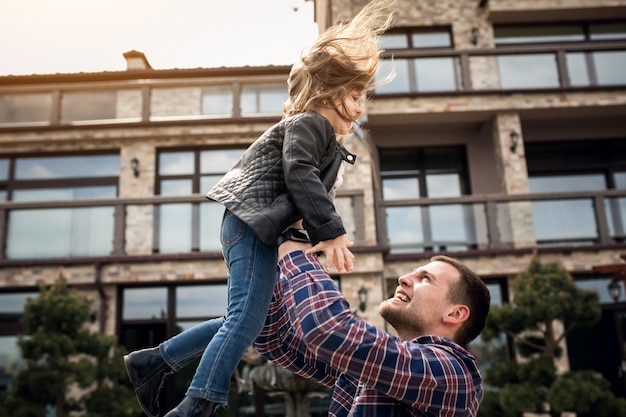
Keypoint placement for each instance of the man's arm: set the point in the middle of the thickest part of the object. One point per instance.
(279, 343)
(432, 375)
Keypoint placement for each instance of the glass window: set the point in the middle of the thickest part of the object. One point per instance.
(506, 35)
(528, 71)
(418, 74)
(217, 101)
(405, 229)
(214, 164)
(610, 67)
(578, 166)
(601, 286)
(417, 38)
(176, 163)
(84, 231)
(201, 300)
(4, 169)
(179, 174)
(76, 231)
(401, 83)
(607, 31)
(577, 69)
(67, 167)
(443, 185)
(175, 227)
(567, 183)
(437, 39)
(257, 99)
(92, 105)
(616, 209)
(426, 172)
(565, 220)
(25, 108)
(435, 74)
(69, 193)
(400, 188)
(394, 41)
(144, 303)
(11, 362)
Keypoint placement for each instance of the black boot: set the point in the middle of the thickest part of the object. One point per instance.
(147, 372)
(194, 407)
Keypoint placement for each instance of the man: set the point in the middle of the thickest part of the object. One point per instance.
(424, 371)
(310, 330)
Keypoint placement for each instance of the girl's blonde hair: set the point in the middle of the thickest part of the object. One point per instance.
(342, 59)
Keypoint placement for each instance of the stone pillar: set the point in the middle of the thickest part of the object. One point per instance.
(515, 218)
(139, 218)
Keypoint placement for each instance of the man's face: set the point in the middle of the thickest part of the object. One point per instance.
(421, 300)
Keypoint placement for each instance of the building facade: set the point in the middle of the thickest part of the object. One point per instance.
(503, 133)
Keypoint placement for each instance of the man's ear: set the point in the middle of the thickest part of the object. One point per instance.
(457, 314)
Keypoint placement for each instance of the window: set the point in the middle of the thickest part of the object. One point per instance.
(92, 105)
(217, 101)
(263, 99)
(414, 173)
(570, 167)
(150, 315)
(508, 35)
(25, 108)
(417, 74)
(187, 227)
(540, 70)
(76, 231)
(528, 71)
(11, 311)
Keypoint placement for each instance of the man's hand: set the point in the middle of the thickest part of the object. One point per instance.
(337, 253)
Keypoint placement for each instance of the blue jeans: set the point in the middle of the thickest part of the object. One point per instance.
(222, 342)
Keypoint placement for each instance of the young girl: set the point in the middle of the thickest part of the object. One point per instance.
(286, 177)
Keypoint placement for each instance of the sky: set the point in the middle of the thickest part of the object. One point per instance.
(71, 36)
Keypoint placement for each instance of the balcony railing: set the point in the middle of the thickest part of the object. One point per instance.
(487, 222)
(507, 68)
(498, 221)
(98, 227)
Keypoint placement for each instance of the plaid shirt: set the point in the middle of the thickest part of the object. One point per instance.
(311, 331)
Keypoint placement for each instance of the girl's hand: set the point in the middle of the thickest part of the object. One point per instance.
(337, 253)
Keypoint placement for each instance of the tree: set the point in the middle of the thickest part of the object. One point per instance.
(545, 298)
(63, 356)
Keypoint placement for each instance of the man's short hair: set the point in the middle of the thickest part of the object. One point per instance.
(471, 291)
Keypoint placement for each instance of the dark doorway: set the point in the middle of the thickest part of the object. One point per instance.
(601, 348)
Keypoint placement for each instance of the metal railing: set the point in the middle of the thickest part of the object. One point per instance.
(495, 221)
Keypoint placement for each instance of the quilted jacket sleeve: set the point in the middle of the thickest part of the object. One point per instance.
(310, 164)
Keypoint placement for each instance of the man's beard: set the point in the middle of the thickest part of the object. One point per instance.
(401, 320)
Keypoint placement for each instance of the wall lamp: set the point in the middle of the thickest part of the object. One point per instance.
(615, 289)
(362, 298)
(134, 165)
(474, 36)
(514, 140)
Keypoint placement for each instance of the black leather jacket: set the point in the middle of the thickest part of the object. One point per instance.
(285, 175)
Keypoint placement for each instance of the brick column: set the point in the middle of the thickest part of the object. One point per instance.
(511, 167)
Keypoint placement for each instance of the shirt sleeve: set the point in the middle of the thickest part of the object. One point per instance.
(437, 377)
(279, 343)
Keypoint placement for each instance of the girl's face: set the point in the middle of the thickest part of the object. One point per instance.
(342, 113)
